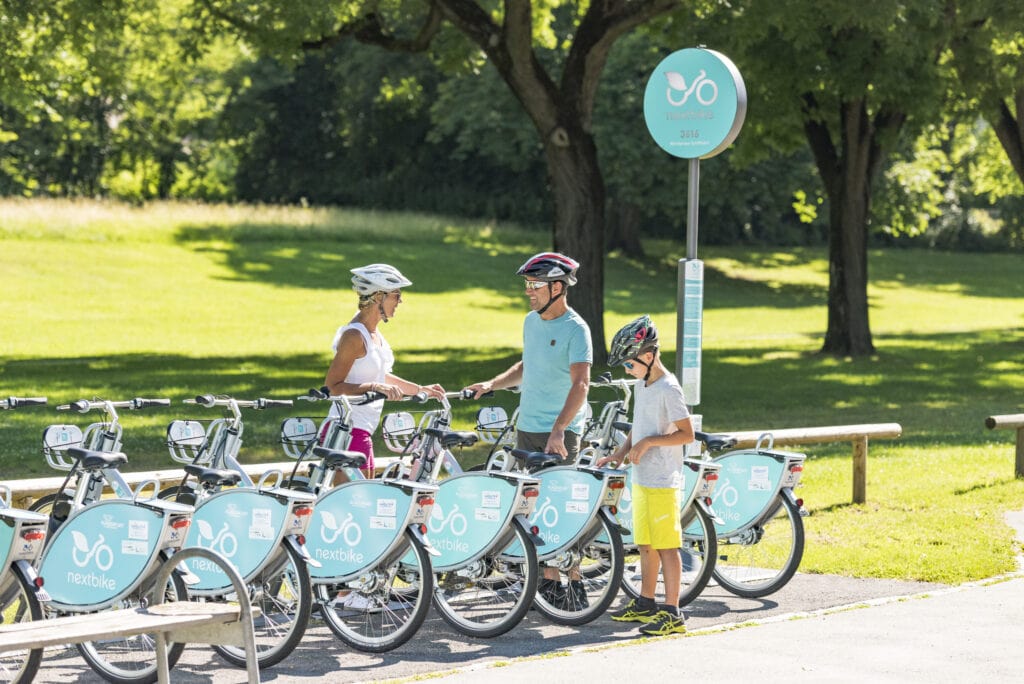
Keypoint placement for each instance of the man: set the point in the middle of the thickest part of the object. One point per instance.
(553, 376)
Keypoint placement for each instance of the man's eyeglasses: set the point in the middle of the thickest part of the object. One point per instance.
(535, 284)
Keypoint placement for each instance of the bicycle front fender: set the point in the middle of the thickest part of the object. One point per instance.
(29, 578)
(300, 548)
(417, 531)
(613, 521)
(522, 523)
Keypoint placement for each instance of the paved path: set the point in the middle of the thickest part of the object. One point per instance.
(818, 628)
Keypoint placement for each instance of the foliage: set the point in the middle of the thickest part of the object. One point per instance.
(177, 299)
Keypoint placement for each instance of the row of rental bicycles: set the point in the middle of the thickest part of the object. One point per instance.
(369, 557)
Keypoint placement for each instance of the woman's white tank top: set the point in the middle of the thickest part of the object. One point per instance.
(372, 367)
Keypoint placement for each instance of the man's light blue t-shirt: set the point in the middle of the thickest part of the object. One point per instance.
(549, 348)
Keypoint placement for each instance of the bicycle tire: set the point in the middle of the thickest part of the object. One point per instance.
(284, 595)
(760, 560)
(19, 605)
(396, 604)
(489, 605)
(132, 660)
(601, 555)
(697, 552)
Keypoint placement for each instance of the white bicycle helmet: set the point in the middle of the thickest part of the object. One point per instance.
(366, 280)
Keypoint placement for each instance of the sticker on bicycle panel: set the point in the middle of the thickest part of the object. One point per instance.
(735, 501)
(557, 525)
(758, 479)
(346, 535)
(138, 529)
(457, 501)
(581, 491)
(490, 499)
(86, 563)
(387, 507)
(241, 525)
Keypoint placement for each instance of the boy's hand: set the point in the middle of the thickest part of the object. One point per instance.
(604, 461)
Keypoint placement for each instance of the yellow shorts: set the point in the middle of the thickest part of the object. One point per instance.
(656, 517)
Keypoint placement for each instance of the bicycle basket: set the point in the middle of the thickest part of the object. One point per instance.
(296, 434)
(185, 440)
(400, 432)
(491, 423)
(56, 440)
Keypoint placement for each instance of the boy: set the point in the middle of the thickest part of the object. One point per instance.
(661, 426)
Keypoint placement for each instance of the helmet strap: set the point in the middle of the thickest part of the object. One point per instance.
(551, 297)
(380, 307)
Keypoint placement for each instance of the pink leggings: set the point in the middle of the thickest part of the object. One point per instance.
(362, 441)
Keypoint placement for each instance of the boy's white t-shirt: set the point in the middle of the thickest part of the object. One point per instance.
(657, 408)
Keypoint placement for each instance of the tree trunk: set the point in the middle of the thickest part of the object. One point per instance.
(578, 191)
(847, 174)
(1009, 129)
(624, 228)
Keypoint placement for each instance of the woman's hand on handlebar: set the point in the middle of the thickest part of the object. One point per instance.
(392, 392)
(434, 391)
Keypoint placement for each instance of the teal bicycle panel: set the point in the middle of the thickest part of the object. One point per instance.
(241, 525)
(6, 539)
(99, 553)
(353, 525)
(747, 484)
(469, 512)
(568, 499)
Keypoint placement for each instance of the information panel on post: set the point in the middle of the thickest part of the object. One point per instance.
(690, 327)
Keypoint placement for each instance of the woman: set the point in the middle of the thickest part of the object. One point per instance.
(363, 360)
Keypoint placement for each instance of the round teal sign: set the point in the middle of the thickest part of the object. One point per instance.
(695, 103)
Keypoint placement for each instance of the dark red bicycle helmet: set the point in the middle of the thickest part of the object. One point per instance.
(550, 267)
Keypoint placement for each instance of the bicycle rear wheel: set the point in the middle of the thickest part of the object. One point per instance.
(382, 609)
(760, 560)
(283, 593)
(697, 553)
(493, 594)
(18, 604)
(131, 660)
(600, 560)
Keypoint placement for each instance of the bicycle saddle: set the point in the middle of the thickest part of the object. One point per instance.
(212, 477)
(337, 458)
(715, 442)
(536, 460)
(97, 460)
(451, 439)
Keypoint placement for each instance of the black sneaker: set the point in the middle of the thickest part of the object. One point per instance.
(575, 597)
(636, 611)
(664, 623)
(551, 591)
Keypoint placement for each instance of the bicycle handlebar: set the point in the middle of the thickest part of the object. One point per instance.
(210, 401)
(323, 394)
(15, 402)
(86, 405)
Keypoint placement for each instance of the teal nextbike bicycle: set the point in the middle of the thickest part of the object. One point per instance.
(258, 527)
(22, 596)
(486, 570)
(759, 521)
(374, 580)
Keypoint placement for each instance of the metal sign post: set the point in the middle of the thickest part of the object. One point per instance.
(694, 107)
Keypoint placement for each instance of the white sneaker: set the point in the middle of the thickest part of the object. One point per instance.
(358, 602)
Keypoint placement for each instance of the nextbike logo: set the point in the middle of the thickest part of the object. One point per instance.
(86, 551)
(706, 90)
(233, 511)
(109, 523)
(360, 500)
(556, 486)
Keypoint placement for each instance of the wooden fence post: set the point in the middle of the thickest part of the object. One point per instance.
(860, 469)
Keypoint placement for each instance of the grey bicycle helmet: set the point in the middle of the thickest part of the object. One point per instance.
(632, 339)
(550, 267)
(367, 280)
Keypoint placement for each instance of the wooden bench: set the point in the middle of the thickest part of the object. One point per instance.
(1013, 422)
(177, 622)
(857, 434)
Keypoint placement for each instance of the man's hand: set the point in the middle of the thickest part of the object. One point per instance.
(480, 388)
(556, 444)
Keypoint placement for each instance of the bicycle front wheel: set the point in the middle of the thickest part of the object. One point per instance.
(283, 593)
(132, 660)
(493, 594)
(589, 586)
(382, 609)
(18, 604)
(697, 553)
(760, 560)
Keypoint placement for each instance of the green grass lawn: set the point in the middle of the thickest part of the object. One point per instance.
(173, 300)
